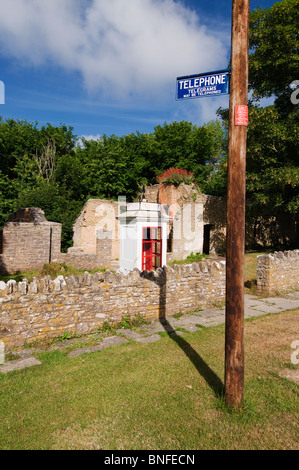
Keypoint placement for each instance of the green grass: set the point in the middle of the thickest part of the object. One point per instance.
(192, 258)
(51, 269)
(250, 272)
(163, 395)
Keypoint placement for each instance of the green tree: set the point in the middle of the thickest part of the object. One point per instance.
(104, 167)
(187, 146)
(272, 162)
(272, 159)
(17, 138)
(7, 198)
(57, 203)
(28, 165)
(114, 165)
(21, 138)
(274, 58)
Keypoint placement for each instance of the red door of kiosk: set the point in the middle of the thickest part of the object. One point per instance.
(151, 248)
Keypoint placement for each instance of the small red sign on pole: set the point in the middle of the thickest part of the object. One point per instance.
(241, 115)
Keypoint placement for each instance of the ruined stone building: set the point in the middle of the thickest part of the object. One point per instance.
(28, 241)
(196, 224)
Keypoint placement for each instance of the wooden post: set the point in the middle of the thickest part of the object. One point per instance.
(234, 322)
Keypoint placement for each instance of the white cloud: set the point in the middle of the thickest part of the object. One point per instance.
(88, 137)
(200, 110)
(91, 137)
(121, 48)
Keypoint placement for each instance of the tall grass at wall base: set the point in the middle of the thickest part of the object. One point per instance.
(49, 269)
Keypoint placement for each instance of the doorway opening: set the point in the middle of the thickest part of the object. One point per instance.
(207, 238)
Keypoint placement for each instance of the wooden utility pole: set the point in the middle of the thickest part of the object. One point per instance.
(234, 322)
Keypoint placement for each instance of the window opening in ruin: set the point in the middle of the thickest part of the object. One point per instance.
(151, 248)
(50, 247)
(170, 239)
(206, 239)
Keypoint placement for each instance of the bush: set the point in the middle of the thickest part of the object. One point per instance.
(196, 257)
(176, 176)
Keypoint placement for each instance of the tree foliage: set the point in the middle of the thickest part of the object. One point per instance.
(272, 158)
(29, 158)
(272, 162)
(274, 61)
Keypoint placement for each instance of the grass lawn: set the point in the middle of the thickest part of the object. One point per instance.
(250, 272)
(159, 396)
(51, 269)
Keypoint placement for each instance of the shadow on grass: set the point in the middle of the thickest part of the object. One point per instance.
(201, 366)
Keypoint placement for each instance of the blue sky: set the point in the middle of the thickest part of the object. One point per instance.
(110, 66)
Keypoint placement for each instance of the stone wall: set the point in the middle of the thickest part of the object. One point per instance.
(97, 215)
(77, 258)
(28, 241)
(48, 308)
(278, 272)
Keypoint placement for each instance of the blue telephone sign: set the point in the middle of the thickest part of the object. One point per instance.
(203, 85)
